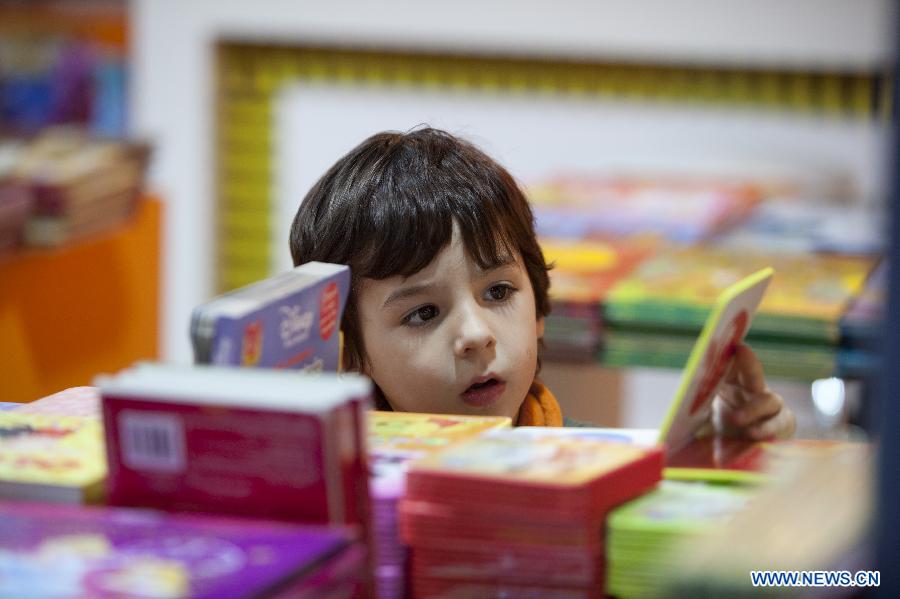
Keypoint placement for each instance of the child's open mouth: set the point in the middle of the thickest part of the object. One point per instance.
(483, 393)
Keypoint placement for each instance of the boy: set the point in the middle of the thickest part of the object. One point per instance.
(449, 284)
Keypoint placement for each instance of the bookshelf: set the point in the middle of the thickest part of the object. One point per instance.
(91, 306)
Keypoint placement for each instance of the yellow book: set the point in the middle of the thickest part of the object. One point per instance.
(416, 434)
(47, 457)
(689, 454)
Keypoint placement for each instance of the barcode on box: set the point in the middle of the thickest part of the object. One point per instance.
(152, 441)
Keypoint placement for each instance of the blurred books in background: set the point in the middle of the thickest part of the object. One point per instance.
(639, 259)
(63, 62)
(64, 184)
(684, 209)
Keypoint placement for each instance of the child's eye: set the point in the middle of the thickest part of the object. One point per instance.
(500, 292)
(421, 315)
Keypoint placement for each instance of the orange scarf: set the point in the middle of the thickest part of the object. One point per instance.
(540, 408)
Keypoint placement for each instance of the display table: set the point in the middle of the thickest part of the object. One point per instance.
(90, 306)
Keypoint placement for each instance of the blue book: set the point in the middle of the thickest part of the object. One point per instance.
(291, 320)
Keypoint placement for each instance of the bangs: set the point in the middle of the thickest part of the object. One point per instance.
(409, 217)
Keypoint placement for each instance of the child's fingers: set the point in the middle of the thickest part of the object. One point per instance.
(780, 426)
(732, 395)
(749, 369)
(760, 406)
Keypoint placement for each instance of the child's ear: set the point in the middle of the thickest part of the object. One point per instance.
(540, 327)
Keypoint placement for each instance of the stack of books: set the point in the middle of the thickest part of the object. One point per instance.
(15, 198)
(642, 534)
(81, 185)
(795, 225)
(504, 514)
(395, 439)
(104, 553)
(683, 209)
(654, 314)
(290, 320)
(51, 457)
(583, 271)
(816, 515)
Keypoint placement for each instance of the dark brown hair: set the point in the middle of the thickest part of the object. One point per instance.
(387, 208)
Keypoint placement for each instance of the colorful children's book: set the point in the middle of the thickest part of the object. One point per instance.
(660, 349)
(249, 441)
(684, 209)
(675, 289)
(290, 320)
(690, 411)
(550, 474)
(53, 458)
(642, 535)
(517, 514)
(104, 553)
(395, 439)
(417, 434)
(583, 272)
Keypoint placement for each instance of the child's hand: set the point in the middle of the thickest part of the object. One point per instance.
(747, 407)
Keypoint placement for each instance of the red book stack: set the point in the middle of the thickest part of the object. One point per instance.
(505, 514)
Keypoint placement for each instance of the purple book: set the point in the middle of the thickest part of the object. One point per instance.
(102, 552)
(290, 320)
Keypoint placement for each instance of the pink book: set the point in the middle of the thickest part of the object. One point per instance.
(252, 442)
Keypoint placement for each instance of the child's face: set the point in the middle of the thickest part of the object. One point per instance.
(452, 339)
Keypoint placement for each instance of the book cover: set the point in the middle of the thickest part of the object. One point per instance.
(682, 209)
(725, 328)
(254, 442)
(417, 434)
(675, 289)
(51, 458)
(642, 535)
(288, 321)
(557, 474)
(62, 551)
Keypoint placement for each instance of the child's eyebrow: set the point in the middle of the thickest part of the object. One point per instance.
(406, 292)
(424, 288)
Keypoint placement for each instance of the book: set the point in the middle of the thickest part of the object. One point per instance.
(414, 434)
(795, 225)
(246, 441)
(687, 454)
(560, 475)
(677, 208)
(675, 289)
(512, 512)
(394, 440)
(102, 552)
(583, 272)
(81, 184)
(816, 515)
(654, 349)
(642, 533)
(51, 458)
(290, 320)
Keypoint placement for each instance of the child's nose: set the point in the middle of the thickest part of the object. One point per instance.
(474, 332)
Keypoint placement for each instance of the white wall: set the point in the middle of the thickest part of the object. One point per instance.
(171, 88)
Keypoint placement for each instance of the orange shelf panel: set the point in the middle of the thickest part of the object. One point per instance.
(89, 307)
